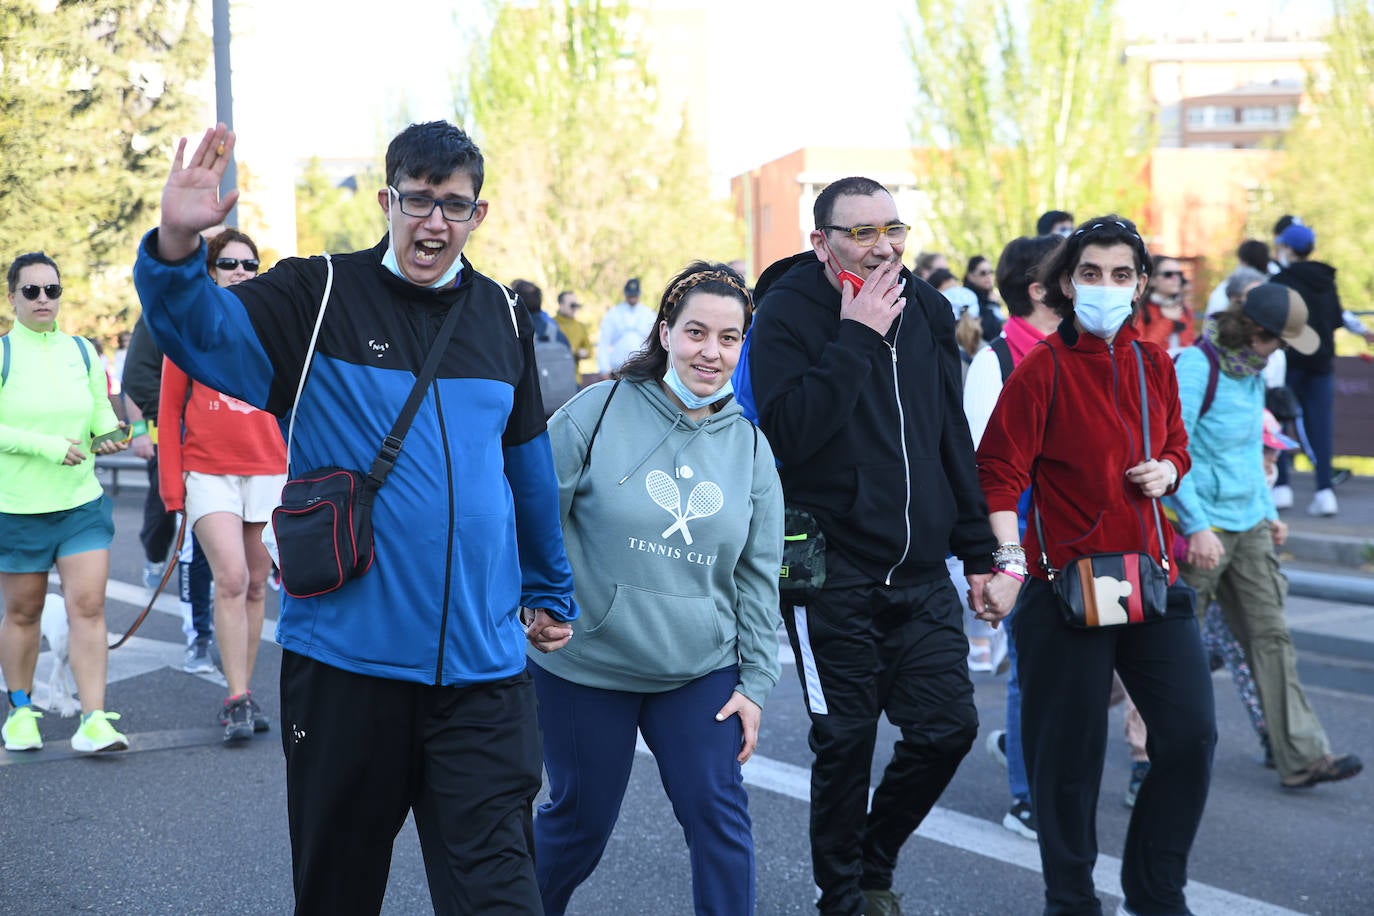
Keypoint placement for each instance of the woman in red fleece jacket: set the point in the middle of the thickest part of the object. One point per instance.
(227, 469)
(1071, 416)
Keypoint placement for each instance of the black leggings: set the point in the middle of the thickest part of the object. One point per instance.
(1066, 678)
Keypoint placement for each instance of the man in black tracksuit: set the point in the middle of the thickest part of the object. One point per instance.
(859, 393)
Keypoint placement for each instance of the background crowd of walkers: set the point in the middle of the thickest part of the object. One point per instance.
(1053, 458)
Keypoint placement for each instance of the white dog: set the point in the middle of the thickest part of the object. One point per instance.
(61, 683)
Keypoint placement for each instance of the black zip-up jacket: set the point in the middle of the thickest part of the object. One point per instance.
(143, 371)
(869, 430)
(1316, 283)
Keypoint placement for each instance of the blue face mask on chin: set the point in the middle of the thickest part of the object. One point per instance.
(1102, 310)
(389, 261)
(684, 394)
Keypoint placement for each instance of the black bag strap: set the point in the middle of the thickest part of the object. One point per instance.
(391, 445)
(1145, 428)
(587, 458)
(1145, 446)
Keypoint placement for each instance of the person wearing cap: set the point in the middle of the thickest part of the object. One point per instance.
(1311, 373)
(578, 334)
(1228, 518)
(624, 328)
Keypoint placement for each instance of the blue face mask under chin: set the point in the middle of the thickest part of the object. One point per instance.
(389, 261)
(685, 395)
(1102, 310)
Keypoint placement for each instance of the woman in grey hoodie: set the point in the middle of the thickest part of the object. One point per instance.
(673, 519)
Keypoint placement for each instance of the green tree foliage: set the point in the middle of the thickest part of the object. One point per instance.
(334, 218)
(586, 189)
(1024, 107)
(1328, 174)
(91, 94)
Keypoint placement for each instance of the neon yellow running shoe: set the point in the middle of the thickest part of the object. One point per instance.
(21, 729)
(96, 734)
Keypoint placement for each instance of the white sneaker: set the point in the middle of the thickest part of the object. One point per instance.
(1283, 496)
(1323, 503)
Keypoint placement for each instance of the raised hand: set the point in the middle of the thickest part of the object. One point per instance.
(190, 199)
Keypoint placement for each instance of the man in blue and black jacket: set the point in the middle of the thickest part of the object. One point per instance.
(404, 690)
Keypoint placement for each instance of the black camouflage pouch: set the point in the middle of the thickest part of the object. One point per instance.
(803, 557)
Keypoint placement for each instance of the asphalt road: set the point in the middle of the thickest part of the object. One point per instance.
(180, 824)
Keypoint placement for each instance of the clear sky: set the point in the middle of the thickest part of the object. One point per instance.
(782, 74)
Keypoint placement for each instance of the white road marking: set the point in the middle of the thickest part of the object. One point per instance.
(993, 841)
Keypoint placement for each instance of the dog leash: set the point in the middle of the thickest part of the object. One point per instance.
(166, 576)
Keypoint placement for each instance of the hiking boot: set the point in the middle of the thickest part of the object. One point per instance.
(96, 734)
(1328, 769)
(997, 747)
(1020, 820)
(21, 729)
(198, 659)
(1139, 770)
(882, 903)
(237, 717)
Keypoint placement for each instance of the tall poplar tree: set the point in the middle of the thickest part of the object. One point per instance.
(587, 190)
(1025, 107)
(91, 95)
(1328, 175)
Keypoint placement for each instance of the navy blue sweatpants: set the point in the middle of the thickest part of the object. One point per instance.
(589, 747)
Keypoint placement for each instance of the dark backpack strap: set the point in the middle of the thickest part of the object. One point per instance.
(85, 356)
(587, 458)
(4, 359)
(1000, 346)
(1213, 373)
(391, 445)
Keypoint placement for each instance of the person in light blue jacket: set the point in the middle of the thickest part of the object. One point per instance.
(673, 518)
(1227, 515)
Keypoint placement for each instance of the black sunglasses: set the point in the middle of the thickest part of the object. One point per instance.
(1170, 274)
(52, 290)
(249, 264)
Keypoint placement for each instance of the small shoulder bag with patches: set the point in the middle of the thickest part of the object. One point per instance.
(1111, 589)
(323, 527)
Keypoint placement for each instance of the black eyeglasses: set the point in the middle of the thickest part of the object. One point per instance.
(1171, 274)
(51, 290)
(249, 264)
(420, 207)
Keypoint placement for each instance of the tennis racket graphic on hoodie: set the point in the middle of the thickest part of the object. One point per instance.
(706, 499)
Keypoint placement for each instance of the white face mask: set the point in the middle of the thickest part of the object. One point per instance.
(1102, 310)
(1271, 475)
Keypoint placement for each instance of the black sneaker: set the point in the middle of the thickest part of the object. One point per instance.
(237, 717)
(1020, 820)
(1339, 476)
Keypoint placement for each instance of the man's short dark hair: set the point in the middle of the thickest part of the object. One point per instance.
(28, 260)
(1283, 223)
(940, 276)
(529, 294)
(1049, 219)
(1254, 253)
(854, 186)
(431, 152)
(564, 295)
(1019, 266)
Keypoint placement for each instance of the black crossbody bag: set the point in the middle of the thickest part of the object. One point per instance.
(1110, 589)
(323, 527)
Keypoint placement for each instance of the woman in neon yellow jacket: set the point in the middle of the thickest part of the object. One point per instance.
(53, 404)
